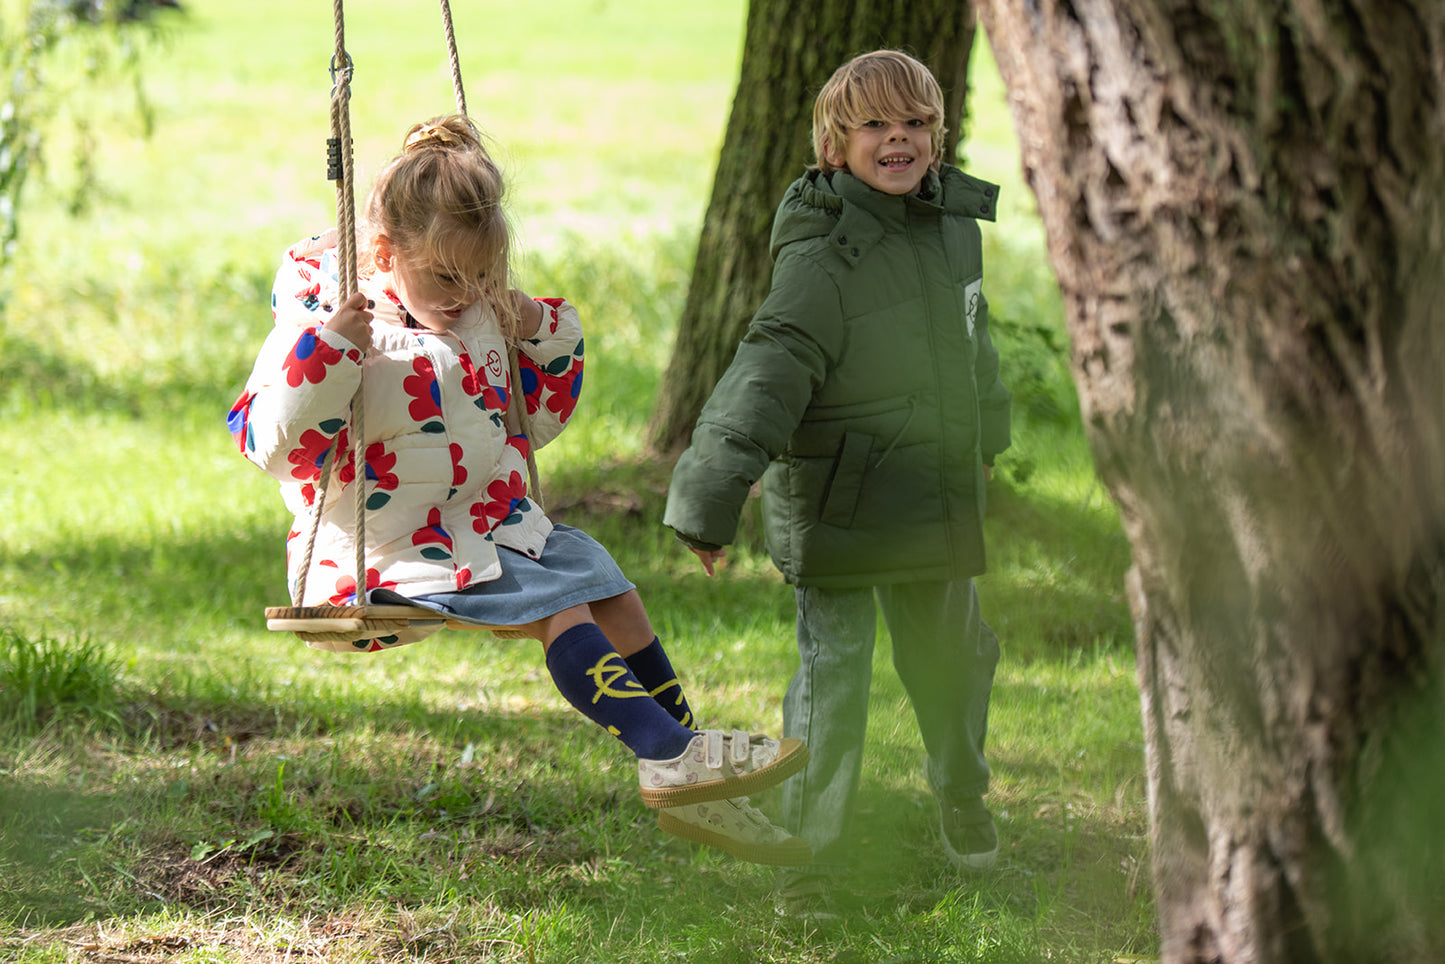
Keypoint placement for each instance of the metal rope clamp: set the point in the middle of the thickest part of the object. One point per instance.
(340, 77)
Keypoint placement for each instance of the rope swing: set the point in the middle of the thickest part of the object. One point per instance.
(346, 623)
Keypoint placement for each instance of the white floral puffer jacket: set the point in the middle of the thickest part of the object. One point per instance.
(445, 484)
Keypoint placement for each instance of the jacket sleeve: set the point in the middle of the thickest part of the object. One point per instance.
(758, 403)
(298, 397)
(994, 398)
(550, 364)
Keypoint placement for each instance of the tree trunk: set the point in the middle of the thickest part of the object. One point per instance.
(1243, 204)
(791, 48)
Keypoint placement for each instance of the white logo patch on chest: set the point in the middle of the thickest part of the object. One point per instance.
(494, 359)
(971, 296)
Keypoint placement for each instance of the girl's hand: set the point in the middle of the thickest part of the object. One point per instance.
(529, 313)
(710, 558)
(352, 321)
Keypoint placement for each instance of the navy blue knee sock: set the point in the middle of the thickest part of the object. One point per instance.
(654, 670)
(591, 675)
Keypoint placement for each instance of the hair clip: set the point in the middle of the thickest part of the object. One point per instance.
(430, 132)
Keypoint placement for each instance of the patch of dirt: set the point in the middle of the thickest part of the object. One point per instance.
(236, 939)
(176, 877)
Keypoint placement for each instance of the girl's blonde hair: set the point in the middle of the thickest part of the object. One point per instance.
(882, 85)
(439, 204)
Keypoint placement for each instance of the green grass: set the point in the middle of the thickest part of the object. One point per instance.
(177, 784)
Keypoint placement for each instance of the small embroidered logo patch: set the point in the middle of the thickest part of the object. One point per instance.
(971, 296)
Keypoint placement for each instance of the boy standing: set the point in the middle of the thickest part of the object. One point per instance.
(866, 395)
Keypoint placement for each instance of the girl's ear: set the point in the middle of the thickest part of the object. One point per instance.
(381, 253)
(831, 155)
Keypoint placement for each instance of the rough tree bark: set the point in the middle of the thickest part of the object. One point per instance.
(1243, 203)
(790, 49)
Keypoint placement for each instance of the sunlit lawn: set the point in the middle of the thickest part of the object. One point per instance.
(248, 799)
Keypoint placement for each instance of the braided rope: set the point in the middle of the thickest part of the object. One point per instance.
(516, 417)
(346, 240)
(453, 59)
(341, 68)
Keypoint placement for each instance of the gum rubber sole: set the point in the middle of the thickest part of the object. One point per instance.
(792, 852)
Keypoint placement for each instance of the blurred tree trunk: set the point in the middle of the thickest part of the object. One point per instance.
(791, 48)
(1243, 203)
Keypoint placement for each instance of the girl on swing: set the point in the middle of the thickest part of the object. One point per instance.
(449, 525)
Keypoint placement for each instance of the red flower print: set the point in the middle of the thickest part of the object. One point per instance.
(379, 463)
(475, 384)
(564, 390)
(238, 421)
(459, 471)
(464, 578)
(502, 497)
(425, 393)
(521, 443)
(309, 359)
(494, 399)
(432, 534)
(345, 594)
(551, 316)
(471, 382)
(308, 458)
(558, 384)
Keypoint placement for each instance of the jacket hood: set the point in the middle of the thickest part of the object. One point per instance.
(853, 215)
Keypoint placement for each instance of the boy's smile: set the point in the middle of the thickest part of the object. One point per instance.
(891, 156)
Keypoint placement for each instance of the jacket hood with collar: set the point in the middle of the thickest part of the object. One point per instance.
(839, 206)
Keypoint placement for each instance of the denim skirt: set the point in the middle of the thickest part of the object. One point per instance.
(574, 568)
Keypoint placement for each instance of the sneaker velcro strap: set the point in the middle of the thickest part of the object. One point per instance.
(741, 747)
(713, 748)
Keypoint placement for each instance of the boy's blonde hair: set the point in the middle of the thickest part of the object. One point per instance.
(882, 85)
(439, 204)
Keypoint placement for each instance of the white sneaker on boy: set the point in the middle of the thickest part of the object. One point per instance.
(719, 766)
(739, 828)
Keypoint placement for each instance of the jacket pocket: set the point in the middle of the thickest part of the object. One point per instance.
(840, 496)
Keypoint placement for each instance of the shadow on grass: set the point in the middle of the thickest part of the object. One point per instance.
(1056, 579)
(202, 802)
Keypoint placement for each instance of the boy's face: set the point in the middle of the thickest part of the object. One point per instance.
(891, 156)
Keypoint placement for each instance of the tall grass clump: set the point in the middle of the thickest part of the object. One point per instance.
(44, 678)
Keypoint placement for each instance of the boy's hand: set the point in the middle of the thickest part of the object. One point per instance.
(352, 321)
(710, 558)
(529, 313)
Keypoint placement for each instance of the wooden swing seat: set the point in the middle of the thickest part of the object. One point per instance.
(343, 622)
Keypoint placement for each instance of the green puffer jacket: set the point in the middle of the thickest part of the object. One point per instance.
(866, 388)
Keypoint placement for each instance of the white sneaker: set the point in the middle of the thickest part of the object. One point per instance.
(737, 827)
(719, 766)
